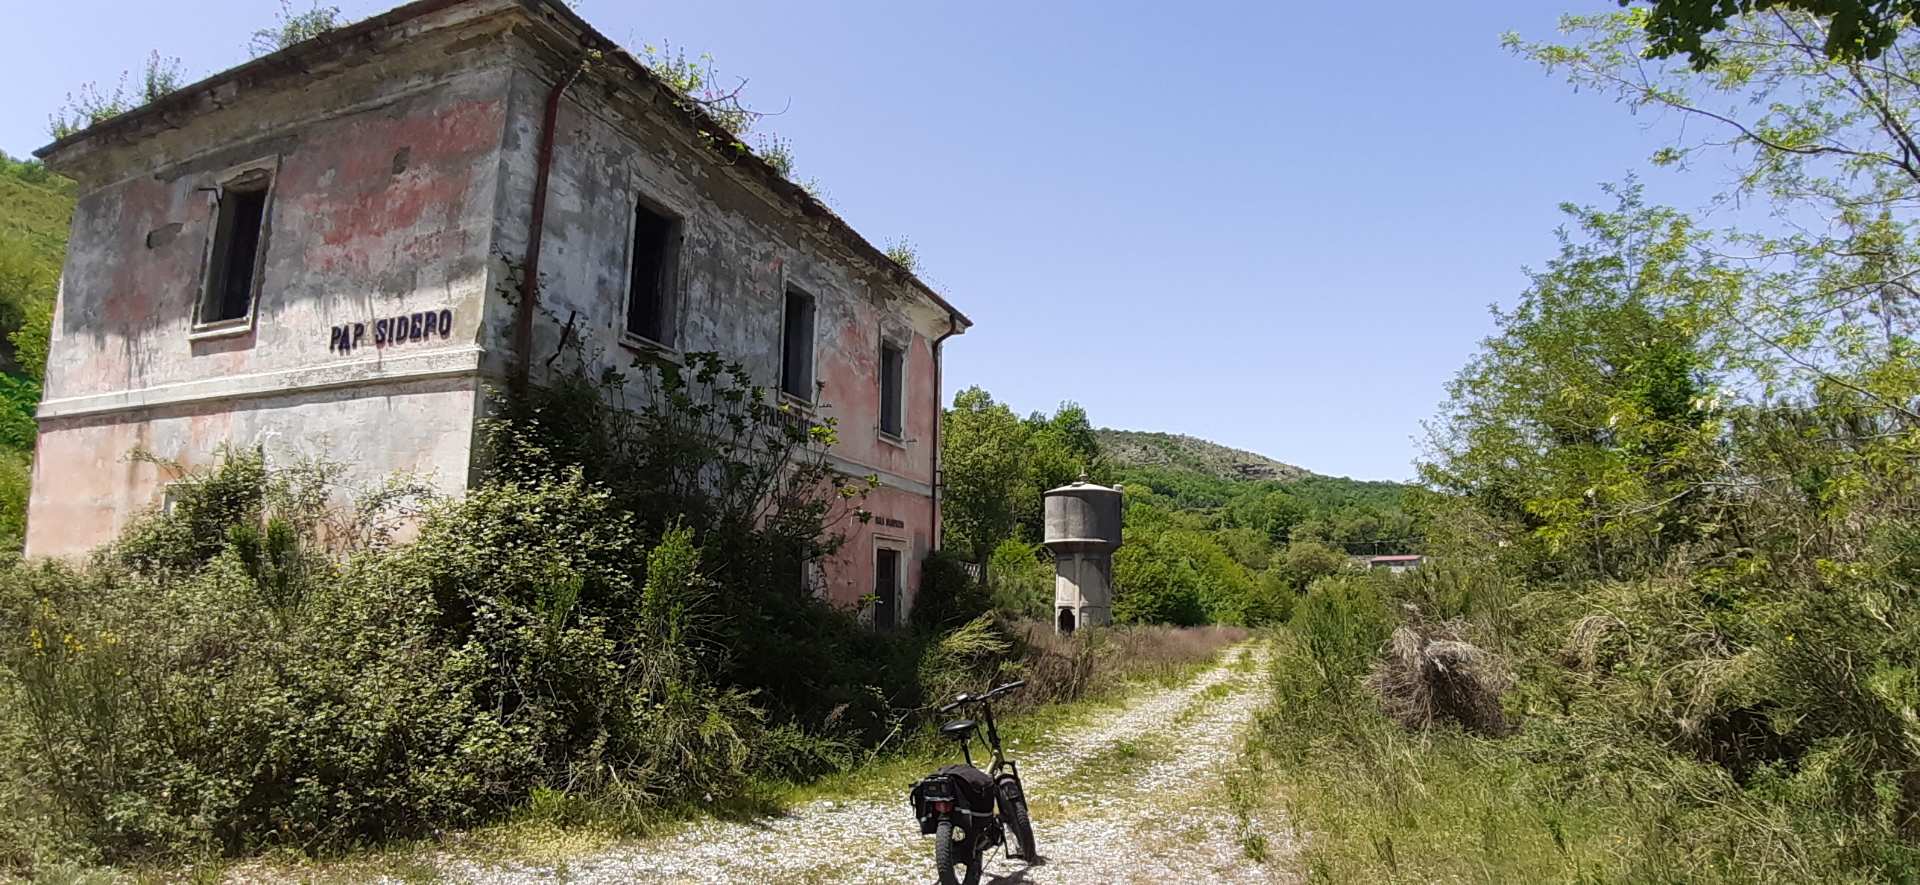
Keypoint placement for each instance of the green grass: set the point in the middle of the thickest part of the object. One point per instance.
(1440, 808)
(1371, 802)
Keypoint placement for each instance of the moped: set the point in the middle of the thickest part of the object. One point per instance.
(968, 811)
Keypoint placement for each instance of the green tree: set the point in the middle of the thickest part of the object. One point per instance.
(1830, 143)
(1152, 588)
(1589, 419)
(1273, 513)
(983, 460)
(1855, 29)
(1020, 579)
(1306, 561)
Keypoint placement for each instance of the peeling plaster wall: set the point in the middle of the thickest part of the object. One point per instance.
(382, 205)
(741, 248)
(404, 167)
(85, 489)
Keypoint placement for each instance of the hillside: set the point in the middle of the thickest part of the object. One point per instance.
(1137, 448)
(1233, 488)
(35, 206)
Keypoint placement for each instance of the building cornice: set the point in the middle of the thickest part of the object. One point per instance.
(378, 370)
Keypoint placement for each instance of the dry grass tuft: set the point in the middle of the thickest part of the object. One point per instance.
(1429, 674)
(1595, 642)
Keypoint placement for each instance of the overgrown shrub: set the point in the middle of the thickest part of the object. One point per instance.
(948, 596)
(1020, 579)
(1705, 589)
(616, 613)
(1342, 622)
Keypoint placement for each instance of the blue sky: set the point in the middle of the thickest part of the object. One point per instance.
(1276, 226)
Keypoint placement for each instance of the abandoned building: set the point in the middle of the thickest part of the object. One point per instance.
(326, 251)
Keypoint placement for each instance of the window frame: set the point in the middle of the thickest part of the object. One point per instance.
(671, 280)
(808, 400)
(223, 181)
(898, 435)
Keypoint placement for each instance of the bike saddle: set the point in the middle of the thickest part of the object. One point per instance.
(958, 728)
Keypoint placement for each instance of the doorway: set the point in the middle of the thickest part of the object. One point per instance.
(886, 587)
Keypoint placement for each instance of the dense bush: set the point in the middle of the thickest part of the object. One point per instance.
(1020, 579)
(611, 615)
(948, 596)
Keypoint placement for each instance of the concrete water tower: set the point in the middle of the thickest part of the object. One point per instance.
(1083, 530)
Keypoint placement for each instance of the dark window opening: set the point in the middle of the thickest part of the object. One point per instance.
(238, 233)
(893, 370)
(1066, 620)
(886, 582)
(648, 288)
(796, 347)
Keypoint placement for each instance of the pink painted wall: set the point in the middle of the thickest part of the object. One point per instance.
(379, 209)
(85, 489)
(741, 249)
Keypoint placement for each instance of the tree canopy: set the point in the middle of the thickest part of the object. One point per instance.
(1856, 30)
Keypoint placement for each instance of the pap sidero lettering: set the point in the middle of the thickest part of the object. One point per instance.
(392, 330)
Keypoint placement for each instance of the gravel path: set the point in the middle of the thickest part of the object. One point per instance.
(1137, 795)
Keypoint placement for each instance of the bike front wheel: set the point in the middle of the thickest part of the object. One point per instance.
(1013, 803)
(957, 863)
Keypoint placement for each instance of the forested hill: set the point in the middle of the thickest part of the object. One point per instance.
(1136, 448)
(1235, 488)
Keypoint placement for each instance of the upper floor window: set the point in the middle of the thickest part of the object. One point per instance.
(651, 272)
(796, 346)
(893, 380)
(239, 239)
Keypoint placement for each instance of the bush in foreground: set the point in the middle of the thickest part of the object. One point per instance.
(612, 614)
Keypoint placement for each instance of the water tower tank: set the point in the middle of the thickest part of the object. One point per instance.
(1083, 517)
(1082, 531)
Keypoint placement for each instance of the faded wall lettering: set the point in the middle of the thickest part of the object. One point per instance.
(401, 329)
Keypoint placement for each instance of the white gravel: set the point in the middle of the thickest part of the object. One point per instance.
(1157, 815)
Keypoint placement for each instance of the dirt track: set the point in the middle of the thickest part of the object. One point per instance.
(1135, 795)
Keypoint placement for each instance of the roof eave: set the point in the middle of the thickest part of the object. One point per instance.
(296, 55)
(809, 203)
(290, 57)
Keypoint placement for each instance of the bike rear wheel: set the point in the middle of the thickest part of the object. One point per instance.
(957, 863)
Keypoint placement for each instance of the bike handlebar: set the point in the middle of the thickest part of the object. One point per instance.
(965, 699)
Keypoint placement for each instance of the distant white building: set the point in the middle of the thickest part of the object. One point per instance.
(1396, 564)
